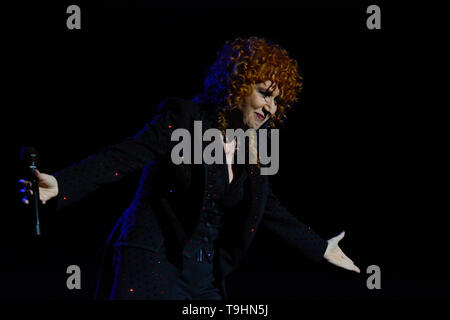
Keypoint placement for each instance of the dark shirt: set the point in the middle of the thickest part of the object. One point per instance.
(197, 279)
(226, 195)
(231, 193)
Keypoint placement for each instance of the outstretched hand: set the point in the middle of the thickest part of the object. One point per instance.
(334, 254)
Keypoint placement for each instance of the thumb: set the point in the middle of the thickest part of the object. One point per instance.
(340, 236)
(37, 174)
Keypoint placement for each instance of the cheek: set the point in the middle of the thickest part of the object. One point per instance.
(253, 102)
(257, 102)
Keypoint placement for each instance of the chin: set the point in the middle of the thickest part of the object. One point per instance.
(252, 126)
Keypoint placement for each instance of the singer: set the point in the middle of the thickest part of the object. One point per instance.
(190, 225)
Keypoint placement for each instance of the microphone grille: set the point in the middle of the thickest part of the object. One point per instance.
(28, 153)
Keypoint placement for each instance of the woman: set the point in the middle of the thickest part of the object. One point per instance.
(190, 225)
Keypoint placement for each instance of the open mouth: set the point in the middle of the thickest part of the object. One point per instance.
(260, 116)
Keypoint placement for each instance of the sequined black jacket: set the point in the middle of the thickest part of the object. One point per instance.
(170, 198)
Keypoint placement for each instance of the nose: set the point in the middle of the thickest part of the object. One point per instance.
(269, 107)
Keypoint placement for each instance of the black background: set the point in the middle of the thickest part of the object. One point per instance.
(358, 152)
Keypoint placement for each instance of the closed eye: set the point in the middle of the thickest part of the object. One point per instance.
(267, 94)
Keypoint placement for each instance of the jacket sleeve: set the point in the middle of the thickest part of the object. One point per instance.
(111, 164)
(286, 226)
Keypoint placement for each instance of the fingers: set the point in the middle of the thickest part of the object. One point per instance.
(24, 183)
(25, 200)
(349, 264)
(27, 191)
(353, 267)
(338, 258)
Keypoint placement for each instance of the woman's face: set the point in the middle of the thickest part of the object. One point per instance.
(260, 105)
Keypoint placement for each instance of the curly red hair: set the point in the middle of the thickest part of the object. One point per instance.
(244, 62)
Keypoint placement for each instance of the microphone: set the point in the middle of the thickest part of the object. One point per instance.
(30, 157)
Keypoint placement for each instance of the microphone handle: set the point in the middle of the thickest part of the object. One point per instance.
(35, 188)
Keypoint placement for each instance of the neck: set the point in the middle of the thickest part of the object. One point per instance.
(235, 120)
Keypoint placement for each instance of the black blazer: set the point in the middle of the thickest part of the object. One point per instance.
(170, 198)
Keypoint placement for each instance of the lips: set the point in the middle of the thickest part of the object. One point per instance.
(260, 116)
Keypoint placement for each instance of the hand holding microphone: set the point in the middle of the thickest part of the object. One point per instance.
(42, 186)
(48, 187)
